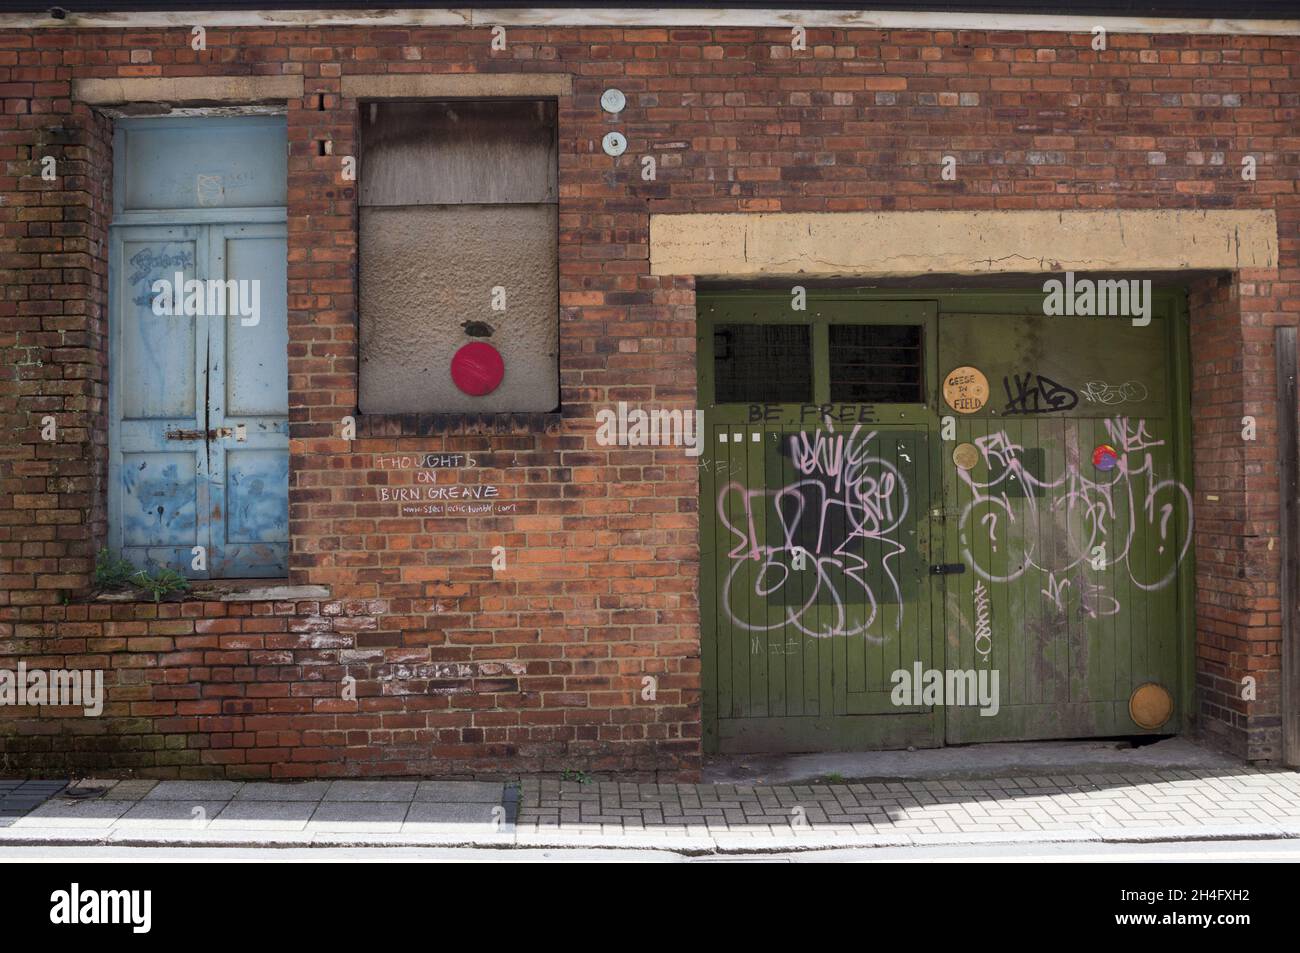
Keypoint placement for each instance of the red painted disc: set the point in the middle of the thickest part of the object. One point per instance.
(477, 368)
(1105, 457)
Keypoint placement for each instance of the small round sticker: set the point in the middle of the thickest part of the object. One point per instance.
(477, 368)
(965, 455)
(966, 389)
(1105, 457)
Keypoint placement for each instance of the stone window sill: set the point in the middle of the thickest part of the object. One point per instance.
(229, 590)
(429, 425)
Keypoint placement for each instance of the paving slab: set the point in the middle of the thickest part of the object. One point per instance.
(283, 791)
(373, 817)
(130, 790)
(193, 791)
(16, 800)
(431, 816)
(44, 786)
(371, 791)
(147, 815)
(486, 792)
(59, 813)
(265, 815)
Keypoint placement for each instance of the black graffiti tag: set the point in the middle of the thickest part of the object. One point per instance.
(1036, 394)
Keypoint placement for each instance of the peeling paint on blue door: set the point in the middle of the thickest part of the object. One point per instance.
(199, 402)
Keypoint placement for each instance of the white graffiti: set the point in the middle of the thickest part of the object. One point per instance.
(1094, 601)
(1114, 512)
(813, 569)
(983, 630)
(1099, 392)
(1056, 591)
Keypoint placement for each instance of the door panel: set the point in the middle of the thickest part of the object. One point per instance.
(1073, 554)
(254, 385)
(157, 393)
(248, 408)
(160, 490)
(158, 351)
(815, 541)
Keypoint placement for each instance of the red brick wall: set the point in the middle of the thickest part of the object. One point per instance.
(53, 339)
(463, 670)
(1237, 602)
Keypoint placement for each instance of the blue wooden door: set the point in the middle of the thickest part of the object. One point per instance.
(199, 456)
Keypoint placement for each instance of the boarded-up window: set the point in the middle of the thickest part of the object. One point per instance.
(458, 230)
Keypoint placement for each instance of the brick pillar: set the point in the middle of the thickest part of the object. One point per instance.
(1236, 535)
(53, 333)
(322, 232)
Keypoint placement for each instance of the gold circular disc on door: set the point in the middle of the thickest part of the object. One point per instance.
(965, 455)
(1150, 705)
(966, 389)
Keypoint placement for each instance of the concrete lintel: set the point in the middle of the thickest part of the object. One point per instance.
(869, 244)
(187, 89)
(441, 85)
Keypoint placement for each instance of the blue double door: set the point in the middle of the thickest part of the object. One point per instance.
(198, 392)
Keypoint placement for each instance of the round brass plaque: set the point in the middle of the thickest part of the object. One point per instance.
(966, 389)
(965, 455)
(1150, 705)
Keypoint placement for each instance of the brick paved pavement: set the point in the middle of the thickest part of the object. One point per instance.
(1183, 803)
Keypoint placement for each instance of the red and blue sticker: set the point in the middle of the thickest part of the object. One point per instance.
(1105, 457)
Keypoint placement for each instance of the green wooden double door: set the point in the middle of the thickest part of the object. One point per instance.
(880, 569)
